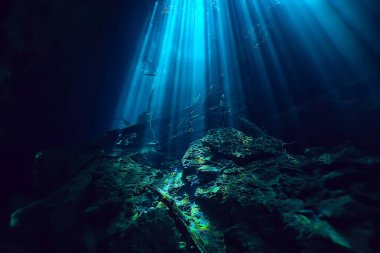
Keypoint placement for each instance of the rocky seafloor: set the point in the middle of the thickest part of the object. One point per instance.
(229, 190)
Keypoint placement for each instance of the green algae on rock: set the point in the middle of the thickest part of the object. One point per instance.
(246, 194)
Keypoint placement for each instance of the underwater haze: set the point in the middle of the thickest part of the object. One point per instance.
(304, 70)
(202, 126)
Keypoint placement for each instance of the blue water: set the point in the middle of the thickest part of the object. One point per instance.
(297, 67)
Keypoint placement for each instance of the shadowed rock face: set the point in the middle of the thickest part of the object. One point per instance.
(323, 200)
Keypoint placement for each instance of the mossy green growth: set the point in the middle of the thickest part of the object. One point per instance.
(199, 222)
(182, 246)
(185, 201)
(209, 191)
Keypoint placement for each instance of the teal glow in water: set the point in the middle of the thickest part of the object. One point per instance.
(251, 54)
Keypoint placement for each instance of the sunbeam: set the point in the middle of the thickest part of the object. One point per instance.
(257, 57)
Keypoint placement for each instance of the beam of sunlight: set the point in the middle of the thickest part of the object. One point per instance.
(260, 57)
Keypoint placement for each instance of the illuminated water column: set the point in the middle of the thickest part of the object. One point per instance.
(182, 66)
(345, 28)
(229, 74)
(190, 48)
(265, 57)
(133, 98)
(254, 35)
(170, 71)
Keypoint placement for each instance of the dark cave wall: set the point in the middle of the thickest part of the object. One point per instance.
(62, 66)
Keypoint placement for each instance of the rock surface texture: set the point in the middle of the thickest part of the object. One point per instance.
(229, 192)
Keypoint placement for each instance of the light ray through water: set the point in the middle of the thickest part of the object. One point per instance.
(257, 56)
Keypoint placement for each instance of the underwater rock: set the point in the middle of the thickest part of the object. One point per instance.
(108, 190)
(340, 208)
(208, 193)
(279, 185)
(313, 226)
(232, 143)
(126, 140)
(229, 142)
(149, 156)
(207, 173)
(196, 155)
(233, 193)
(152, 231)
(241, 238)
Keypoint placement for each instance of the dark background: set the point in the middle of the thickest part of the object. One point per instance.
(62, 67)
